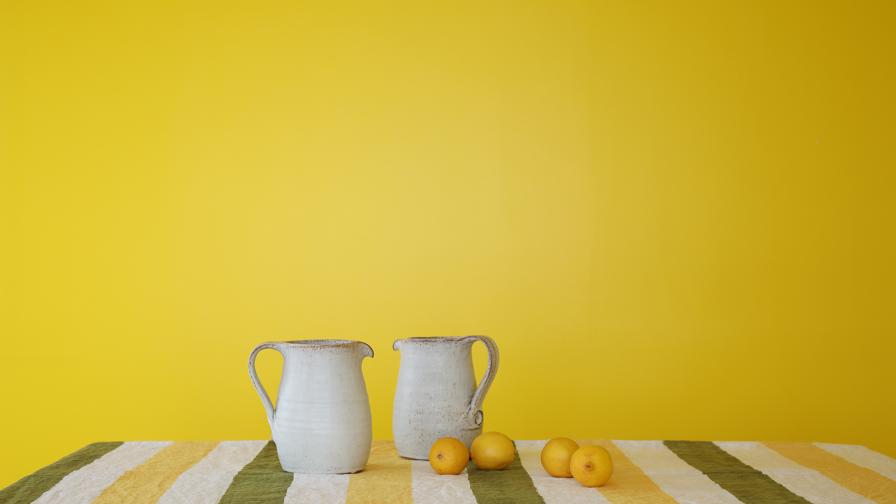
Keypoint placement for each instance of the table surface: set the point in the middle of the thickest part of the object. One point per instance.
(644, 472)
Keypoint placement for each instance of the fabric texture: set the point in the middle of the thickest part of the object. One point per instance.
(238, 472)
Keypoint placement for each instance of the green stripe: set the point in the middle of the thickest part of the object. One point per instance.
(739, 479)
(261, 481)
(507, 486)
(34, 485)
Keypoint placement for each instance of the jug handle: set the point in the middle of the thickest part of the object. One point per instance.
(265, 400)
(475, 411)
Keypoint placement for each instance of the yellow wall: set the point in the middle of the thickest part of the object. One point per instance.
(676, 220)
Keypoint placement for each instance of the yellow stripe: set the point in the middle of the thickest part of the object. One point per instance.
(386, 478)
(148, 481)
(629, 484)
(860, 480)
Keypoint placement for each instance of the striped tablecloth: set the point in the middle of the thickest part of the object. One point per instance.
(645, 472)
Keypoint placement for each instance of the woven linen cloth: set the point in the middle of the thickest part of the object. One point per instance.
(644, 472)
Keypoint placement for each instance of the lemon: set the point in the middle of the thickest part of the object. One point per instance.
(492, 450)
(591, 465)
(555, 456)
(448, 456)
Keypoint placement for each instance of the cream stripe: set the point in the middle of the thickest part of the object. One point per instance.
(862, 456)
(430, 487)
(673, 475)
(856, 478)
(85, 484)
(386, 478)
(551, 489)
(147, 482)
(317, 489)
(805, 482)
(206, 482)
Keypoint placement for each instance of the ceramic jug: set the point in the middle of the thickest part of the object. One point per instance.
(437, 394)
(321, 423)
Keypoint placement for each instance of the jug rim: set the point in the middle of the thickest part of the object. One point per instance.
(434, 339)
(322, 342)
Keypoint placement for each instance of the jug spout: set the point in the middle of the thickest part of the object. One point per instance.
(365, 349)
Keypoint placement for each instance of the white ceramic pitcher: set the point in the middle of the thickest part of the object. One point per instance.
(437, 394)
(321, 423)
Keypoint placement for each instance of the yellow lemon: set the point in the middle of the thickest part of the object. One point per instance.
(492, 450)
(591, 465)
(448, 456)
(555, 456)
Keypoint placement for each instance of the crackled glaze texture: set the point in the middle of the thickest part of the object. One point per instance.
(437, 394)
(321, 423)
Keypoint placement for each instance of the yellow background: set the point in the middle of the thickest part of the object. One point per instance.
(677, 220)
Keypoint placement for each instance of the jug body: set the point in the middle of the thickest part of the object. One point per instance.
(321, 423)
(437, 394)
